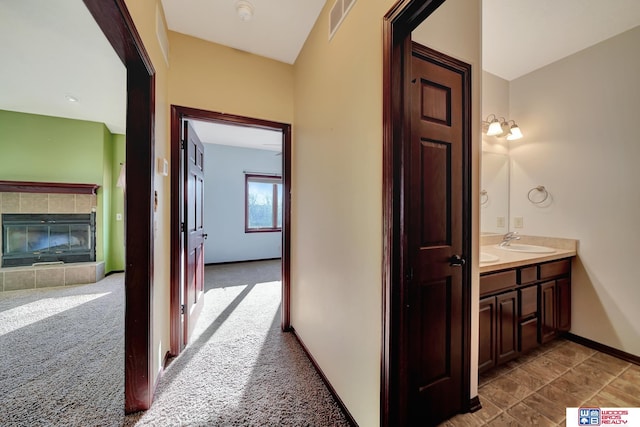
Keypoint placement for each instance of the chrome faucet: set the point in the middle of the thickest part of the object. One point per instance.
(507, 238)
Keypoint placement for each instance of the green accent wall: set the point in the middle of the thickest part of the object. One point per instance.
(116, 234)
(51, 149)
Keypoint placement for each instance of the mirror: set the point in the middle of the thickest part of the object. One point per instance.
(494, 193)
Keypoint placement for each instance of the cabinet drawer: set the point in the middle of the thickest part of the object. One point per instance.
(527, 275)
(554, 269)
(528, 301)
(528, 335)
(497, 281)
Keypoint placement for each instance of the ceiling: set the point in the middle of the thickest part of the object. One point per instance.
(238, 136)
(53, 49)
(519, 36)
(277, 30)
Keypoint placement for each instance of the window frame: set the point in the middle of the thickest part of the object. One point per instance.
(275, 180)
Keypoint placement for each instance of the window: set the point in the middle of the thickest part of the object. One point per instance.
(263, 203)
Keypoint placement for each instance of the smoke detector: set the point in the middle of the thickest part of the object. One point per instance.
(245, 10)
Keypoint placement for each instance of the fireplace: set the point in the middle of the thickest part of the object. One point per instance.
(29, 239)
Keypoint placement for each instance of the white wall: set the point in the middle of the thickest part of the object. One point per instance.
(580, 121)
(224, 204)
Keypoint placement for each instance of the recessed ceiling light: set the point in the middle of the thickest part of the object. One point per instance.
(71, 98)
(245, 10)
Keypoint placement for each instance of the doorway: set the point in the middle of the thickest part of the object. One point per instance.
(115, 22)
(427, 227)
(178, 116)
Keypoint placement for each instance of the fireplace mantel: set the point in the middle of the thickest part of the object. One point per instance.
(47, 187)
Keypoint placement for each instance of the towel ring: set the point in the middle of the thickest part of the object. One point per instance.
(541, 189)
(484, 197)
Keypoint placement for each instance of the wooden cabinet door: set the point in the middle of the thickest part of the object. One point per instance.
(563, 295)
(506, 326)
(528, 335)
(547, 311)
(487, 351)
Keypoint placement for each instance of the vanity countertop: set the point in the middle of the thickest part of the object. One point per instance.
(564, 248)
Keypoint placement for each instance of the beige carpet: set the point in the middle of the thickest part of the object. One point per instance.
(61, 353)
(240, 369)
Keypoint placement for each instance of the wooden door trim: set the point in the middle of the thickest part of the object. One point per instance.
(178, 113)
(113, 17)
(398, 24)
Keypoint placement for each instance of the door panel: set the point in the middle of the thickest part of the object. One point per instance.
(547, 302)
(435, 347)
(194, 230)
(507, 326)
(434, 233)
(563, 306)
(487, 320)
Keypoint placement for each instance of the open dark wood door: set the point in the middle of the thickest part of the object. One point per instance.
(193, 230)
(436, 284)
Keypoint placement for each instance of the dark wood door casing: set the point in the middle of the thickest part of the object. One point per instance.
(116, 23)
(401, 19)
(178, 114)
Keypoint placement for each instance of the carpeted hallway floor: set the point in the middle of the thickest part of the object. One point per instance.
(239, 369)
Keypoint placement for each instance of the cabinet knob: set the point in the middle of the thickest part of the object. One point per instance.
(456, 261)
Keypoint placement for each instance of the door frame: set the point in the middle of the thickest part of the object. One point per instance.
(113, 18)
(398, 24)
(177, 114)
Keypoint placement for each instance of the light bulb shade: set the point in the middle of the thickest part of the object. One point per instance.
(494, 128)
(514, 133)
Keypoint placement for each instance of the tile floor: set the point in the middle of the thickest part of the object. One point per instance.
(535, 389)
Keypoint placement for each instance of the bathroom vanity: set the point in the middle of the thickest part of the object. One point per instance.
(525, 298)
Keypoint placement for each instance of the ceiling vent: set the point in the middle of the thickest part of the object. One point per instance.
(338, 13)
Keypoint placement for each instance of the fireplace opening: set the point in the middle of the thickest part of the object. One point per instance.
(29, 239)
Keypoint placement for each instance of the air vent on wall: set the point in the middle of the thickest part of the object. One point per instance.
(337, 14)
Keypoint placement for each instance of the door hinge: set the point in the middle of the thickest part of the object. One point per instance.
(182, 227)
(182, 144)
(182, 309)
(410, 274)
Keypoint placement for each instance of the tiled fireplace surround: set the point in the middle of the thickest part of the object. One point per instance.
(16, 278)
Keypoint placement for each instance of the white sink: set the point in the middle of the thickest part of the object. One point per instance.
(485, 257)
(517, 247)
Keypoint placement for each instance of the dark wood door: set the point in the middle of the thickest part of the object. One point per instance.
(547, 302)
(507, 326)
(194, 230)
(487, 337)
(436, 204)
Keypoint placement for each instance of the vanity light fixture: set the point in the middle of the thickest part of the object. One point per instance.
(514, 132)
(494, 126)
(500, 127)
